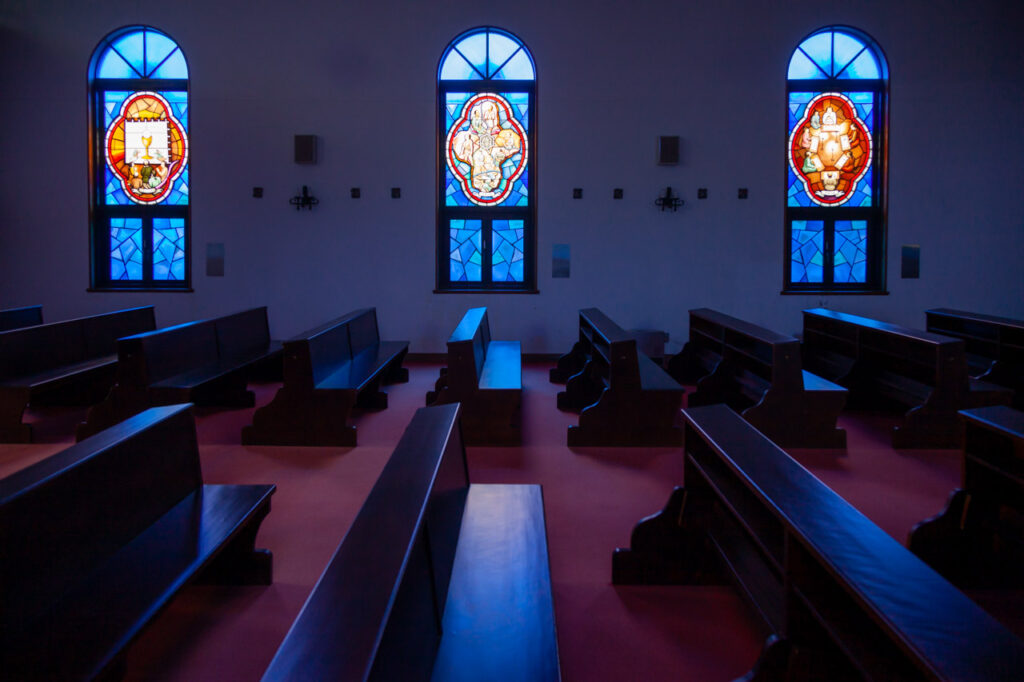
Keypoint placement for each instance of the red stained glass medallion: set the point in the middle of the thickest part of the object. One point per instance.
(146, 147)
(830, 149)
(486, 149)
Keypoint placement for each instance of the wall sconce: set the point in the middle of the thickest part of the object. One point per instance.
(304, 201)
(668, 200)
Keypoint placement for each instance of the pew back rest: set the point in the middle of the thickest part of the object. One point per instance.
(17, 318)
(243, 334)
(66, 514)
(989, 336)
(35, 349)
(362, 330)
(313, 357)
(148, 358)
(893, 612)
(101, 332)
(467, 348)
(383, 598)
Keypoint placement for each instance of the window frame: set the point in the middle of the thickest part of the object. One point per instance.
(100, 213)
(486, 214)
(874, 215)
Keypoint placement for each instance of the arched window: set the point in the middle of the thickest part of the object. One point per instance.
(486, 217)
(139, 162)
(835, 160)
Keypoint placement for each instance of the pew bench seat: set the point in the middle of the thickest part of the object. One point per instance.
(500, 570)
(365, 369)
(190, 384)
(55, 377)
(502, 369)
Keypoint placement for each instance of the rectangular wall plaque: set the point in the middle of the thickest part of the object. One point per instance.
(560, 260)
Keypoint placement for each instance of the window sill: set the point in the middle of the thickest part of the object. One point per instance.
(150, 290)
(486, 291)
(832, 292)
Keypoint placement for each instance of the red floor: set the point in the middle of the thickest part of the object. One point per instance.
(593, 497)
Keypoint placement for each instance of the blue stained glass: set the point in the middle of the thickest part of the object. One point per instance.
(112, 101)
(142, 53)
(474, 49)
(158, 48)
(114, 195)
(455, 67)
(465, 250)
(819, 48)
(519, 68)
(125, 249)
(845, 48)
(500, 49)
(807, 246)
(487, 54)
(850, 257)
(864, 66)
(801, 67)
(168, 248)
(507, 250)
(112, 65)
(131, 47)
(173, 67)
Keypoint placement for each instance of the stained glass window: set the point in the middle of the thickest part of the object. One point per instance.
(486, 208)
(141, 193)
(837, 90)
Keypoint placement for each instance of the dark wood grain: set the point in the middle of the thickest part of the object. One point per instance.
(978, 539)
(484, 375)
(850, 601)
(72, 361)
(98, 539)
(759, 374)
(328, 371)
(884, 364)
(421, 545)
(995, 346)
(206, 362)
(16, 318)
(624, 398)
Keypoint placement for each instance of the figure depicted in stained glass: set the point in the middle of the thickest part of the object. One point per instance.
(146, 147)
(830, 149)
(486, 149)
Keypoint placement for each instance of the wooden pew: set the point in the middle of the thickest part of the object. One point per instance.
(909, 368)
(624, 398)
(995, 346)
(72, 360)
(978, 540)
(758, 373)
(436, 578)
(97, 539)
(486, 376)
(206, 362)
(841, 599)
(328, 371)
(16, 318)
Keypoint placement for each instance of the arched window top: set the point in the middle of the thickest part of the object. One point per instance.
(837, 53)
(487, 54)
(139, 52)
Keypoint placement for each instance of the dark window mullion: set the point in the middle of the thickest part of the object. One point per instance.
(147, 250)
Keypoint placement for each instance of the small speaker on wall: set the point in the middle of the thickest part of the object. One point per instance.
(215, 259)
(305, 149)
(668, 150)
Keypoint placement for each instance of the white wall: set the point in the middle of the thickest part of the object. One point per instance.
(612, 76)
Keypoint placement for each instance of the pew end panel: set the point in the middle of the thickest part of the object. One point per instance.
(977, 541)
